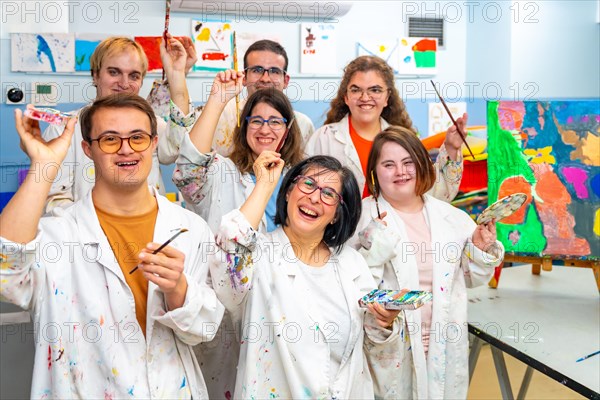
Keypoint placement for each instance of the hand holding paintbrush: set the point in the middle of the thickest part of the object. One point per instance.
(162, 246)
(459, 129)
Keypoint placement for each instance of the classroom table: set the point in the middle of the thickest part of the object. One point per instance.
(547, 321)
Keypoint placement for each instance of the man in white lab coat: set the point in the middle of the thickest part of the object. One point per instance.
(113, 319)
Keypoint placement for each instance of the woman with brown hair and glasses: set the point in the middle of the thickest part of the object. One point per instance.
(414, 241)
(212, 184)
(294, 292)
(367, 102)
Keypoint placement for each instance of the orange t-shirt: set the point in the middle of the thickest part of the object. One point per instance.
(127, 236)
(363, 148)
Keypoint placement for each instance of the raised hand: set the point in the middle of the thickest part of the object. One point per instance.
(32, 143)
(485, 236)
(174, 57)
(268, 167)
(165, 270)
(190, 50)
(227, 85)
(453, 139)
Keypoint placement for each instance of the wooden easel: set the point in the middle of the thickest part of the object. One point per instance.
(545, 263)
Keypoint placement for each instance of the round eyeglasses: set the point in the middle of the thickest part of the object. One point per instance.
(112, 143)
(257, 71)
(308, 185)
(256, 122)
(375, 92)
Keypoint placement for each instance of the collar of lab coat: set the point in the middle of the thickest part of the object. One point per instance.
(347, 270)
(341, 133)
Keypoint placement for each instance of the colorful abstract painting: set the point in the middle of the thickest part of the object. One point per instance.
(42, 52)
(417, 56)
(551, 152)
(214, 45)
(85, 44)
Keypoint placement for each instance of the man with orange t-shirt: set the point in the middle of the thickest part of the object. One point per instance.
(124, 313)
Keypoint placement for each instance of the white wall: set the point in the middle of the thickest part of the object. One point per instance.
(547, 48)
(556, 46)
(376, 19)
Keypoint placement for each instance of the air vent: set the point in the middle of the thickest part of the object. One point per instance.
(427, 27)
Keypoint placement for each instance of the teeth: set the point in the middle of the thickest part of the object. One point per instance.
(309, 212)
(265, 140)
(127, 163)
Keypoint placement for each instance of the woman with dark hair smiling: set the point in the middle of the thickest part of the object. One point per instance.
(213, 185)
(294, 292)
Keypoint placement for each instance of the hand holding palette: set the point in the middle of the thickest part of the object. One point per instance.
(502, 208)
(396, 299)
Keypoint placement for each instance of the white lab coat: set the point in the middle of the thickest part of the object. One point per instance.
(88, 343)
(223, 138)
(212, 186)
(76, 176)
(334, 140)
(457, 264)
(283, 352)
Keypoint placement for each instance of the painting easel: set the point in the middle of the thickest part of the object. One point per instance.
(545, 263)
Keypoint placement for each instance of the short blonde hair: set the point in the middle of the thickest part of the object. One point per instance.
(114, 45)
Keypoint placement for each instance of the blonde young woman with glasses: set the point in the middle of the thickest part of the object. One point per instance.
(368, 102)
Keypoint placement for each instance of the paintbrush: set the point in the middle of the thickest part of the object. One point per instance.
(283, 138)
(375, 195)
(588, 356)
(463, 136)
(235, 67)
(162, 246)
(167, 17)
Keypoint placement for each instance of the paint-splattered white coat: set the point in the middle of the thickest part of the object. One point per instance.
(284, 353)
(89, 344)
(457, 264)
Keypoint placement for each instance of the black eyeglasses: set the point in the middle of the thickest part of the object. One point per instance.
(307, 185)
(257, 71)
(112, 143)
(256, 122)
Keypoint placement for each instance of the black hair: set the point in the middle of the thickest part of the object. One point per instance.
(266, 45)
(346, 215)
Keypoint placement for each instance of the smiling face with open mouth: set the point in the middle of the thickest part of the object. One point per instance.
(366, 96)
(308, 214)
(125, 167)
(396, 174)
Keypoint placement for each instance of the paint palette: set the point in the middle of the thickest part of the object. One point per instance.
(502, 208)
(48, 115)
(396, 299)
